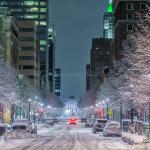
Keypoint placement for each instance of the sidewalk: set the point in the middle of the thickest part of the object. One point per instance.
(136, 140)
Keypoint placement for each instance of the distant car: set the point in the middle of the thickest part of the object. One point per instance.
(99, 125)
(89, 123)
(83, 120)
(49, 121)
(55, 120)
(21, 124)
(112, 128)
(72, 121)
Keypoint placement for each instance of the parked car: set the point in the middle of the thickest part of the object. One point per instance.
(2, 129)
(21, 124)
(49, 121)
(83, 120)
(89, 123)
(55, 120)
(112, 128)
(99, 125)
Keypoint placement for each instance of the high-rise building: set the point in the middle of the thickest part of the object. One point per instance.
(25, 50)
(87, 77)
(125, 19)
(57, 86)
(108, 22)
(100, 59)
(35, 10)
(5, 34)
(51, 48)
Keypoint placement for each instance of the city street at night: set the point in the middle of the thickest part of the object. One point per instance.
(74, 74)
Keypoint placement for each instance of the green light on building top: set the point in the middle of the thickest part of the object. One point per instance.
(110, 8)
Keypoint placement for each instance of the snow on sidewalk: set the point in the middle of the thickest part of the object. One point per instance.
(132, 138)
(136, 140)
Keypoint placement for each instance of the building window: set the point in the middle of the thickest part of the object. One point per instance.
(27, 48)
(43, 42)
(128, 17)
(26, 57)
(26, 67)
(43, 23)
(129, 6)
(42, 16)
(43, 3)
(31, 16)
(129, 27)
(26, 39)
(43, 10)
(142, 6)
(27, 29)
(30, 3)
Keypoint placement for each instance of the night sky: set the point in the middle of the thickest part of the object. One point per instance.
(76, 23)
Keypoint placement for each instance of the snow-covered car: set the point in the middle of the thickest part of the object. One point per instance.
(83, 120)
(21, 124)
(112, 128)
(2, 129)
(49, 121)
(89, 123)
(99, 125)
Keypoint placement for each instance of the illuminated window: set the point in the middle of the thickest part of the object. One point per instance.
(30, 3)
(36, 22)
(43, 23)
(34, 9)
(43, 10)
(42, 16)
(42, 42)
(42, 3)
(42, 49)
(31, 16)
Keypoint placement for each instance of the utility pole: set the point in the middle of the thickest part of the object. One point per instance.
(121, 115)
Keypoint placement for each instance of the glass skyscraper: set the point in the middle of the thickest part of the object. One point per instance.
(108, 22)
(36, 10)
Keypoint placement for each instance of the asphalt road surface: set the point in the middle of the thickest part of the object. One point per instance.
(64, 137)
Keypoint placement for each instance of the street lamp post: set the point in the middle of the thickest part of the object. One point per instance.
(107, 109)
(149, 120)
(121, 115)
(29, 109)
(132, 113)
(20, 111)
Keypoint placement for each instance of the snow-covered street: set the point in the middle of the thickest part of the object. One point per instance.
(64, 137)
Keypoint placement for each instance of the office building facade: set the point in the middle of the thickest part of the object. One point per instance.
(5, 34)
(25, 50)
(51, 48)
(88, 77)
(108, 22)
(100, 58)
(34, 10)
(57, 82)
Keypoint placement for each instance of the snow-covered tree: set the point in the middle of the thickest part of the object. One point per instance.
(130, 77)
(8, 85)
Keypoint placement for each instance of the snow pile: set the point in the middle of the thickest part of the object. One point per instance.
(20, 134)
(1, 140)
(132, 138)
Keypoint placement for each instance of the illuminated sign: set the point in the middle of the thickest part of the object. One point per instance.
(110, 8)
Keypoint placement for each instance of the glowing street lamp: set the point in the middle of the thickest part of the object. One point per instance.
(29, 109)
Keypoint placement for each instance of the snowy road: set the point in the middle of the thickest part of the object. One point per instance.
(63, 137)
